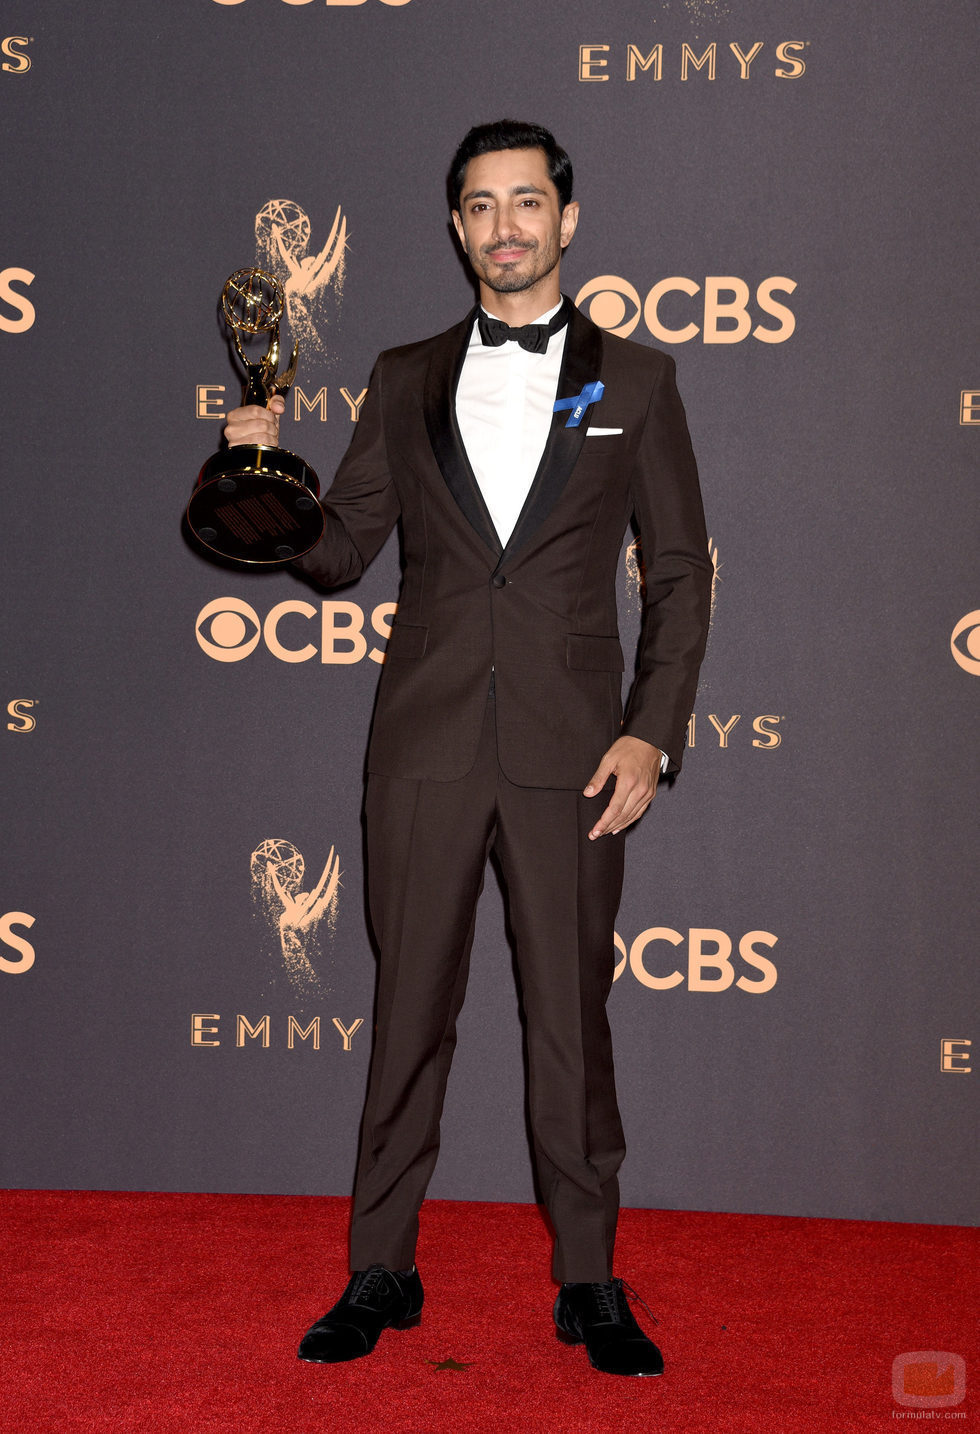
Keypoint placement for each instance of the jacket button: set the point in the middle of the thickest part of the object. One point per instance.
(498, 580)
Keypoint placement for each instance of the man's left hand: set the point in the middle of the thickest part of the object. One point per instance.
(636, 766)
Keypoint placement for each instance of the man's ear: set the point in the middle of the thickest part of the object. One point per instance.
(459, 227)
(569, 222)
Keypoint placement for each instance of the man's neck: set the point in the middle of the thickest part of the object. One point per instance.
(523, 307)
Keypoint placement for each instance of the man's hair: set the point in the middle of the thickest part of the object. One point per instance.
(511, 134)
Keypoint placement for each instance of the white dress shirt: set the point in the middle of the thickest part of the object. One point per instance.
(504, 403)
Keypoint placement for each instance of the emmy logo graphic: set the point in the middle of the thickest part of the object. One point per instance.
(282, 242)
(636, 574)
(278, 871)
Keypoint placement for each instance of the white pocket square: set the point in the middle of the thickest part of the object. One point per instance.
(601, 432)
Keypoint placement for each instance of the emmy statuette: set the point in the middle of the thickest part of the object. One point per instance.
(255, 503)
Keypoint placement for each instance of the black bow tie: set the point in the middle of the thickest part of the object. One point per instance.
(533, 337)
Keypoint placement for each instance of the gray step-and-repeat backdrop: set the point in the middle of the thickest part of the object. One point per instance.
(778, 194)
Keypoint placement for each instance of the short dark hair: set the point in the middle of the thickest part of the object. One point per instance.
(511, 134)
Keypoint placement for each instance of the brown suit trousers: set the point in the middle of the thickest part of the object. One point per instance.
(428, 845)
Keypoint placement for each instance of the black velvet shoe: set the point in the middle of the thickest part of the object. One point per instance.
(374, 1300)
(599, 1317)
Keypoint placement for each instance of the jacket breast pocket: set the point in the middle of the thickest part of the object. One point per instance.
(593, 654)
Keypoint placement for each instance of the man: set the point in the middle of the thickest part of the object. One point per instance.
(513, 450)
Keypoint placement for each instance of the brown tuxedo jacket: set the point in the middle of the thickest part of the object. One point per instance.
(539, 613)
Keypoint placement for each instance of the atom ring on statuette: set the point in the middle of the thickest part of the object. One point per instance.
(252, 301)
(254, 503)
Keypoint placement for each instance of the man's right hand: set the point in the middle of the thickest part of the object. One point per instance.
(253, 424)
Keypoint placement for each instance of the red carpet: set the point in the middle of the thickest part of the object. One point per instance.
(181, 1313)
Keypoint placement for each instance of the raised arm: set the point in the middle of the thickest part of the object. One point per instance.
(361, 506)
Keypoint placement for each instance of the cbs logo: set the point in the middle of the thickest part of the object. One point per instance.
(967, 654)
(14, 48)
(229, 630)
(10, 939)
(24, 314)
(723, 309)
(708, 966)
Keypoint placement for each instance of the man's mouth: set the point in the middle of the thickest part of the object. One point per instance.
(509, 255)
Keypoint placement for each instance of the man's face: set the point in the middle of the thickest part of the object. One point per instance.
(510, 222)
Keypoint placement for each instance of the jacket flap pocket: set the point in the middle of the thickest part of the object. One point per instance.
(594, 654)
(407, 639)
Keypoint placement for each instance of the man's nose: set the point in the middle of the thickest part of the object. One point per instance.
(505, 226)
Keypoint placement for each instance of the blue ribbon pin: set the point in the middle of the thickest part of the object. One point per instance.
(591, 393)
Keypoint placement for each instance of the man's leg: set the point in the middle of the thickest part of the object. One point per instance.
(427, 851)
(563, 894)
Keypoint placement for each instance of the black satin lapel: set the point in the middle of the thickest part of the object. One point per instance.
(581, 364)
(439, 403)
